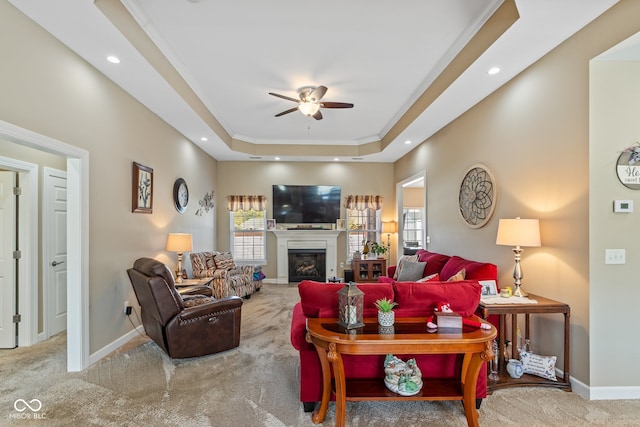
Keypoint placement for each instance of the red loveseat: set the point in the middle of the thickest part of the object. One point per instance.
(414, 299)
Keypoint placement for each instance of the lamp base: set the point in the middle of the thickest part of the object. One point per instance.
(518, 292)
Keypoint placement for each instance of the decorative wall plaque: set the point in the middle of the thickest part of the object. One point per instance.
(628, 167)
(477, 197)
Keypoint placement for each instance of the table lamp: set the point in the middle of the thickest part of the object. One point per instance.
(179, 242)
(518, 232)
(389, 227)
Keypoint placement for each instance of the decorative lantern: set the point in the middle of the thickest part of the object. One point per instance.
(350, 306)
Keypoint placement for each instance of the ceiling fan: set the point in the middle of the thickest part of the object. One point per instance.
(310, 102)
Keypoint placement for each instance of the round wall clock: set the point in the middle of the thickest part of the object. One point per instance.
(477, 197)
(180, 195)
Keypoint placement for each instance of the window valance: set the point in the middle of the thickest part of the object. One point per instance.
(246, 202)
(361, 203)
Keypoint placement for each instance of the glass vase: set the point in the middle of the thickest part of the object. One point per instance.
(493, 364)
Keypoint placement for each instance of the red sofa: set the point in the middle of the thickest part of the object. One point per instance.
(414, 299)
(447, 266)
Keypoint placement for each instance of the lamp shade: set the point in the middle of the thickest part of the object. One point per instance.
(518, 232)
(389, 227)
(179, 242)
(308, 108)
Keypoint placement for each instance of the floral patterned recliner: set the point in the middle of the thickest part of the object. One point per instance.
(229, 279)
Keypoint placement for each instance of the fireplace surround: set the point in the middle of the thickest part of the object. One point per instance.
(302, 239)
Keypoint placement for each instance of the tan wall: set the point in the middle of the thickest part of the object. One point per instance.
(533, 134)
(50, 90)
(258, 177)
(413, 197)
(614, 288)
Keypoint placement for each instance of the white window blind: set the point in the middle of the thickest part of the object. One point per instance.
(248, 238)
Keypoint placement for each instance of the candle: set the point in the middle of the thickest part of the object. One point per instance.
(350, 314)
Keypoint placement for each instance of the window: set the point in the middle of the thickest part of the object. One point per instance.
(412, 231)
(248, 239)
(361, 226)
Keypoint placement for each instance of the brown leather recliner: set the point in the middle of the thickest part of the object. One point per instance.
(183, 326)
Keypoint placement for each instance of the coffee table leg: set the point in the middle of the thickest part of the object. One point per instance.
(341, 386)
(469, 389)
(320, 413)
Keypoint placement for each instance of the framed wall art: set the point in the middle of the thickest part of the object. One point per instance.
(477, 196)
(271, 224)
(628, 167)
(142, 189)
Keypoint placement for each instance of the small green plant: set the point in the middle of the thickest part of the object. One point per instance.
(385, 305)
(378, 249)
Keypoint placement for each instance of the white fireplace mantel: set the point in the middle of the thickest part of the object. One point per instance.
(306, 239)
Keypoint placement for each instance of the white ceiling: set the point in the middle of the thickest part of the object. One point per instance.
(379, 55)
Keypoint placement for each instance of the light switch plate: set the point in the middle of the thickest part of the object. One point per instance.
(614, 256)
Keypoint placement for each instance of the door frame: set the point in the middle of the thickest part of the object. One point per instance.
(77, 241)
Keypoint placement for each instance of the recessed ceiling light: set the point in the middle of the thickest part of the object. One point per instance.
(113, 59)
(407, 142)
(493, 70)
(336, 159)
(204, 138)
(277, 158)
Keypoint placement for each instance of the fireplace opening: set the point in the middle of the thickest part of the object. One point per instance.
(307, 264)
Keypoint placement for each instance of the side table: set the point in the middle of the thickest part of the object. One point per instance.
(544, 305)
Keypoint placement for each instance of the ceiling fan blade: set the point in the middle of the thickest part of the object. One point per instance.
(336, 105)
(284, 97)
(291, 110)
(317, 115)
(317, 94)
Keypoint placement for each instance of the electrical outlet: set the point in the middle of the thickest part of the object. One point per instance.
(342, 265)
(126, 308)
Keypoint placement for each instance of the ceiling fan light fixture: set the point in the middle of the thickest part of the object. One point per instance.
(308, 108)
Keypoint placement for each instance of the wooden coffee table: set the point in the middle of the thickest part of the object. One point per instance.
(410, 337)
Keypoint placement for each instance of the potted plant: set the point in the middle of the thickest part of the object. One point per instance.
(378, 249)
(386, 316)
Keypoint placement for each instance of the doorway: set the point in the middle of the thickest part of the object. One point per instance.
(411, 199)
(77, 234)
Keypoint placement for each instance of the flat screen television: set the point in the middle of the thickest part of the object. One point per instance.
(306, 204)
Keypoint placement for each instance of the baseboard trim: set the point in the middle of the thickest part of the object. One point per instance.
(106, 350)
(601, 393)
(614, 393)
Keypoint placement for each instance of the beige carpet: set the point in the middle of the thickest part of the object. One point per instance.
(253, 385)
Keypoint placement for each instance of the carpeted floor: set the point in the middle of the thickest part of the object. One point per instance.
(253, 385)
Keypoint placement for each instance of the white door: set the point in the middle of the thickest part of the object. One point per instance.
(55, 250)
(7, 263)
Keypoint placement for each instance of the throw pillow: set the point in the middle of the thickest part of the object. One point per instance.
(459, 276)
(224, 260)
(412, 258)
(542, 366)
(411, 271)
(435, 277)
(209, 263)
